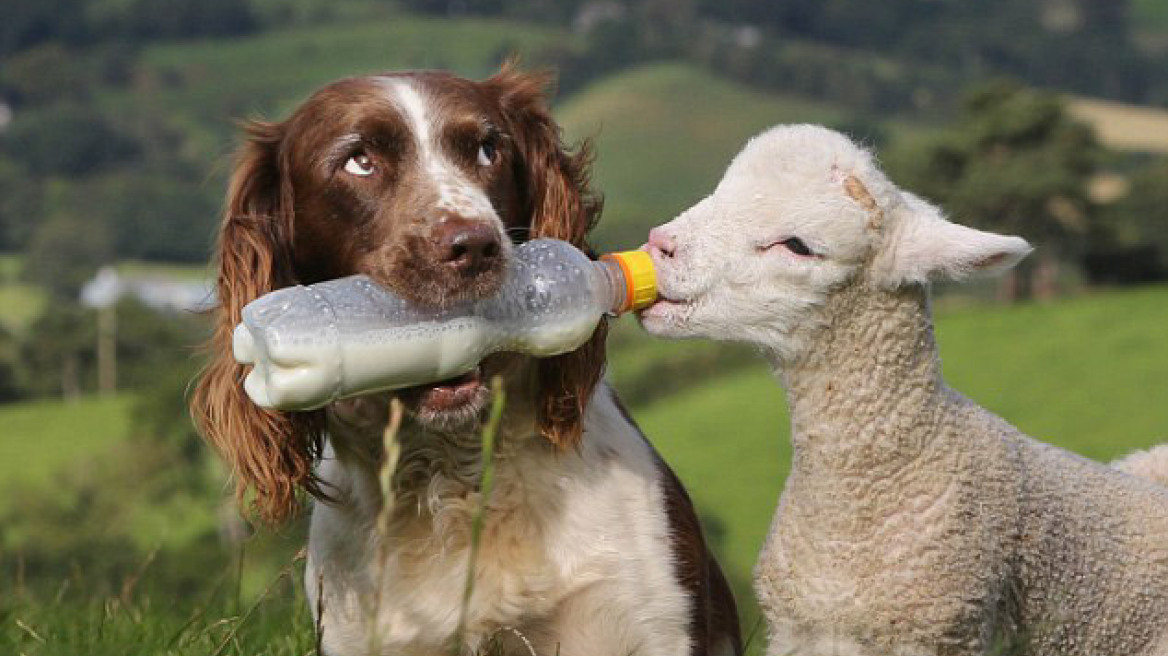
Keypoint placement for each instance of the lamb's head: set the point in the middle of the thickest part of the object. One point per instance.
(802, 215)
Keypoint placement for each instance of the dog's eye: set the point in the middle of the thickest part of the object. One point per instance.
(359, 164)
(488, 153)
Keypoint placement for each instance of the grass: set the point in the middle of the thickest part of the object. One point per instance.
(20, 302)
(1085, 373)
(1150, 15)
(39, 438)
(211, 623)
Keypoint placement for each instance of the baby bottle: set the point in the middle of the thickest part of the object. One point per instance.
(311, 345)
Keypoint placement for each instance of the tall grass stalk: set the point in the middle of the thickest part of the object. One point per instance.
(286, 572)
(486, 482)
(390, 454)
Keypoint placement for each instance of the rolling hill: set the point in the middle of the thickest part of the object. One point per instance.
(663, 135)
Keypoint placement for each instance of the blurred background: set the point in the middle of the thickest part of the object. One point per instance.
(1044, 118)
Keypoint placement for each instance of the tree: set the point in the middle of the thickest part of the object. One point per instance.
(65, 251)
(20, 205)
(66, 140)
(1139, 220)
(1015, 162)
(27, 24)
(10, 387)
(58, 352)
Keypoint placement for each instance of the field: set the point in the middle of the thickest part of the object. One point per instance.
(1151, 15)
(661, 147)
(1085, 373)
(1124, 127)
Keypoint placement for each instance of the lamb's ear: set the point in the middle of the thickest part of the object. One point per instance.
(922, 246)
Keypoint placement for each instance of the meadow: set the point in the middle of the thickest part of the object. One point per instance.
(1084, 372)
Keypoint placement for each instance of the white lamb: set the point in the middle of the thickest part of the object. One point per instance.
(913, 521)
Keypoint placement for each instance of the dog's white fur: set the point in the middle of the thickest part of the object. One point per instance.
(575, 555)
(913, 521)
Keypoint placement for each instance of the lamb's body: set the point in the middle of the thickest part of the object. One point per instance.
(913, 521)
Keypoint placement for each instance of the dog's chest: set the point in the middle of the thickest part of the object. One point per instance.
(404, 595)
(417, 606)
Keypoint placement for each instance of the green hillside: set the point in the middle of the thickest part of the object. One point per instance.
(664, 133)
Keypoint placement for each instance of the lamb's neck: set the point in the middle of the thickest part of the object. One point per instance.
(865, 397)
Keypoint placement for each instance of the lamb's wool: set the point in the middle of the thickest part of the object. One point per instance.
(913, 521)
(1151, 464)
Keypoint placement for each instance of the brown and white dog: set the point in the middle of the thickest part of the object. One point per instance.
(591, 547)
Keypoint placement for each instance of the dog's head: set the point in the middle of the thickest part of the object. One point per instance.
(422, 181)
(801, 214)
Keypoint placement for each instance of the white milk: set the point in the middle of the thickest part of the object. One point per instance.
(316, 344)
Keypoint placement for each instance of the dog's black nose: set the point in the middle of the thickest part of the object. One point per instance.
(469, 247)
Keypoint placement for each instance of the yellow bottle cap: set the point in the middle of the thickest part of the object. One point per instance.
(640, 278)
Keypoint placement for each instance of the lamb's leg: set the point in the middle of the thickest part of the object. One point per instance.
(1151, 465)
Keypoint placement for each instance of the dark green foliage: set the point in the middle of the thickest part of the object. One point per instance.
(27, 24)
(66, 250)
(59, 352)
(168, 19)
(44, 74)
(896, 55)
(66, 140)
(1136, 226)
(153, 215)
(88, 22)
(20, 205)
(154, 346)
(10, 383)
(1014, 162)
(1146, 208)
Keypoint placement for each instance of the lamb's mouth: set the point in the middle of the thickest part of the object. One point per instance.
(666, 314)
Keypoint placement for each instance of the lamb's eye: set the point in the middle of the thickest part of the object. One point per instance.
(360, 164)
(796, 246)
(793, 244)
(488, 153)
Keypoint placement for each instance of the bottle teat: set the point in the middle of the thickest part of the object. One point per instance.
(640, 279)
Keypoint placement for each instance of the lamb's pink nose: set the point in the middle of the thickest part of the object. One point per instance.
(661, 243)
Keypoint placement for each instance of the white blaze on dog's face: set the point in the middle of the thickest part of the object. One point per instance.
(800, 213)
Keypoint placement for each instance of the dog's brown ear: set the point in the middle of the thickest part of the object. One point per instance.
(561, 205)
(270, 453)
